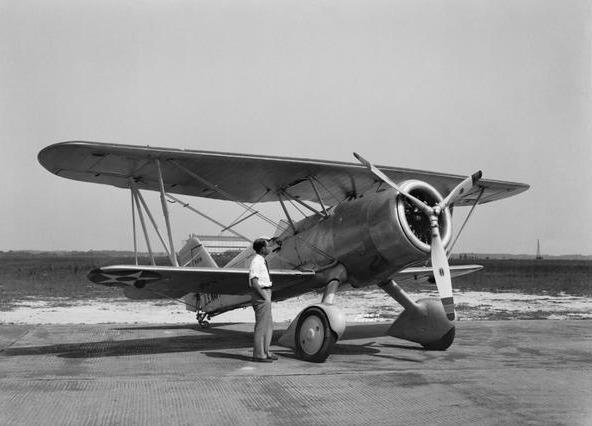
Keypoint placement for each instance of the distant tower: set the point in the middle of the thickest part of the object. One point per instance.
(539, 256)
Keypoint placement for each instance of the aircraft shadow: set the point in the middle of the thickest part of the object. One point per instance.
(214, 339)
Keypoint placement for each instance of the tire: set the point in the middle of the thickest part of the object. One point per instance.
(314, 338)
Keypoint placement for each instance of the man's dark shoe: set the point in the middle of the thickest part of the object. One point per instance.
(272, 357)
(262, 359)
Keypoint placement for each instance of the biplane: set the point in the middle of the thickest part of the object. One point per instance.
(365, 225)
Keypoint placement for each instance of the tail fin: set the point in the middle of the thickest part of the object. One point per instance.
(194, 253)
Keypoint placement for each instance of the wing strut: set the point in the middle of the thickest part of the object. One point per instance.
(134, 226)
(314, 187)
(154, 225)
(465, 222)
(286, 213)
(165, 212)
(309, 179)
(142, 221)
(302, 203)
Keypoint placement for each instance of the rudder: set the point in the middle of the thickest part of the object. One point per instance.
(194, 254)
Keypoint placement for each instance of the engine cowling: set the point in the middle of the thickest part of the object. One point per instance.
(415, 223)
(381, 233)
(372, 236)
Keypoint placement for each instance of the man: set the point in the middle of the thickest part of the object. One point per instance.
(260, 284)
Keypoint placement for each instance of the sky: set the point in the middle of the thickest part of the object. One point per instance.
(451, 86)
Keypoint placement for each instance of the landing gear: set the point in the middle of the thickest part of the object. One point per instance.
(424, 322)
(314, 337)
(201, 319)
(313, 333)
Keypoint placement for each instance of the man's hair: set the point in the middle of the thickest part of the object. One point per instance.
(258, 244)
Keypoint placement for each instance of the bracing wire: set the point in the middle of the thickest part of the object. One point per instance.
(259, 214)
(327, 189)
(296, 207)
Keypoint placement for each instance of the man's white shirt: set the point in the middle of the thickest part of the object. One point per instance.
(259, 270)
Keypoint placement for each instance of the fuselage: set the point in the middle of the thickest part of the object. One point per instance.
(372, 237)
(365, 235)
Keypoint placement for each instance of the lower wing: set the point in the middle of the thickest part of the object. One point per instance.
(160, 282)
(157, 282)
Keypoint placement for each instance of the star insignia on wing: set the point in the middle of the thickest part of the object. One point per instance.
(122, 278)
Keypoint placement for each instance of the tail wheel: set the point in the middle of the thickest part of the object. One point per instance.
(314, 337)
(202, 321)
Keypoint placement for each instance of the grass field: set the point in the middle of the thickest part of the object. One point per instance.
(530, 276)
(64, 275)
(61, 275)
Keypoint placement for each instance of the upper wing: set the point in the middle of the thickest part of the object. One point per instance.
(246, 178)
(423, 275)
(175, 282)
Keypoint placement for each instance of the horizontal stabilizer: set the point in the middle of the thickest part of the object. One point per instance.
(422, 274)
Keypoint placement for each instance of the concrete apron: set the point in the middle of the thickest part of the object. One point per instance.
(496, 372)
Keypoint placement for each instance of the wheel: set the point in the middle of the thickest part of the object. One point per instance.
(204, 324)
(443, 343)
(314, 337)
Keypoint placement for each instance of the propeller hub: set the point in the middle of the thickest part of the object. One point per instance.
(416, 224)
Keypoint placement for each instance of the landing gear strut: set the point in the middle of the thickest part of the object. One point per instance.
(202, 319)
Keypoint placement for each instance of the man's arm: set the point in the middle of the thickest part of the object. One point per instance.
(257, 287)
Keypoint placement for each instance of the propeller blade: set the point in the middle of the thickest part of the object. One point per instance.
(460, 189)
(426, 209)
(441, 270)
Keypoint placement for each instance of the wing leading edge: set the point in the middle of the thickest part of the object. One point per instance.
(175, 282)
(247, 178)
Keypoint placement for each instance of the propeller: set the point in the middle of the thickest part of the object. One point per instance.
(437, 252)
(460, 189)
